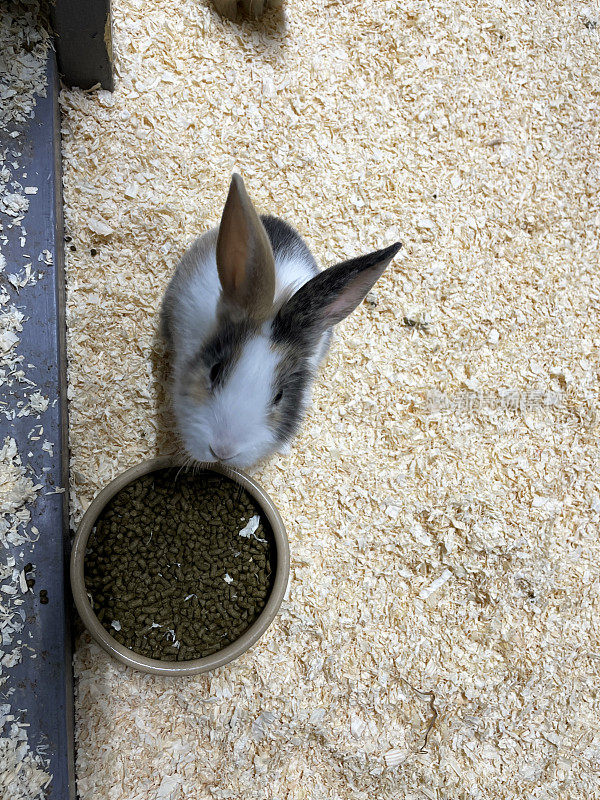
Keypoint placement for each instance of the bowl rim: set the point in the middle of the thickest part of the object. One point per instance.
(199, 665)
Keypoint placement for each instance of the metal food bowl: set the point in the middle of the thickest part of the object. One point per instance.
(231, 651)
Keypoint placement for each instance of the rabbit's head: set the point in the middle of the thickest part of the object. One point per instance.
(244, 393)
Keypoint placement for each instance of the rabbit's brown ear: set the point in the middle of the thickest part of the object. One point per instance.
(244, 255)
(254, 8)
(228, 8)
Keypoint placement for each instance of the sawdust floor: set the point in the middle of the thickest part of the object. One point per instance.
(442, 501)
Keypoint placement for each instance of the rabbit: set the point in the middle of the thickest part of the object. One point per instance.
(247, 318)
(254, 8)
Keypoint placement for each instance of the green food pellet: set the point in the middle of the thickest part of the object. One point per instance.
(158, 558)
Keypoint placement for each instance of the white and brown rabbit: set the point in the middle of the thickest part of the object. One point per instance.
(248, 317)
(253, 8)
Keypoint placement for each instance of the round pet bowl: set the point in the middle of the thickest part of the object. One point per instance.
(196, 666)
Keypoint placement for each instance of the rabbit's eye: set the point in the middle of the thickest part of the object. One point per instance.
(277, 398)
(215, 371)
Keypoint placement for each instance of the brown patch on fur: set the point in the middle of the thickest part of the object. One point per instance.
(197, 387)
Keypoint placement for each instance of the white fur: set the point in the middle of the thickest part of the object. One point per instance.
(234, 420)
(291, 272)
(196, 310)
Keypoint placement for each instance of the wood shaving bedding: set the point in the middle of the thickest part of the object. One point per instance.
(440, 636)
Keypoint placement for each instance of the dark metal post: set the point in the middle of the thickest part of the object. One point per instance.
(83, 38)
(41, 684)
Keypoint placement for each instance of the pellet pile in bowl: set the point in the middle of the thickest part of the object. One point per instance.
(440, 637)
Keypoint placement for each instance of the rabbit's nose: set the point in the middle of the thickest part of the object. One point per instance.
(222, 452)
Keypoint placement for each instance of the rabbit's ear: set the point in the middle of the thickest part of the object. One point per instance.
(228, 8)
(254, 8)
(332, 294)
(244, 255)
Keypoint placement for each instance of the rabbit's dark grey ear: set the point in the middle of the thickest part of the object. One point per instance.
(332, 294)
(244, 255)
